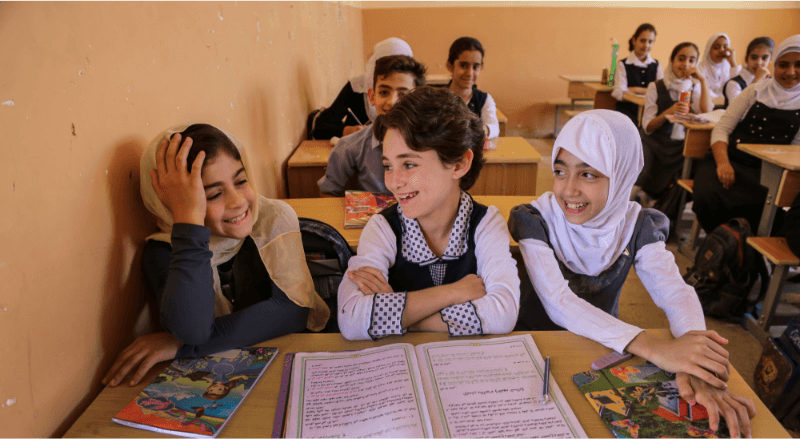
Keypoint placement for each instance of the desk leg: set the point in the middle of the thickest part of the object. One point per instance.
(771, 178)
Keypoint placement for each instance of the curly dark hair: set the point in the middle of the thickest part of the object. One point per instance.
(434, 118)
(386, 65)
(210, 139)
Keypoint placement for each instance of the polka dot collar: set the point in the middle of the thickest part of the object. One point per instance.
(415, 248)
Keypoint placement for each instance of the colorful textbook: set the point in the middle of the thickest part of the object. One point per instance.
(643, 401)
(360, 206)
(197, 397)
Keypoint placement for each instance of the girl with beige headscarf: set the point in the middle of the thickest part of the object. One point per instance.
(227, 267)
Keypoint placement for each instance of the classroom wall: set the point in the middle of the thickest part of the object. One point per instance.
(527, 48)
(84, 87)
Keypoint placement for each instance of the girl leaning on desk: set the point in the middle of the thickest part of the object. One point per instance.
(227, 267)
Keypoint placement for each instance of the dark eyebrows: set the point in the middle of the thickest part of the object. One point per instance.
(581, 165)
(409, 155)
(219, 183)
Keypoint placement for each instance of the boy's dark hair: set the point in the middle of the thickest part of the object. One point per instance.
(399, 64)
(680, 47)
(642, 28)
(209, 139)
(462, 44)
(760, 41)
(435, 118)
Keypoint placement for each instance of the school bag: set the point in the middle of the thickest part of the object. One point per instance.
(777, 375)
(327, 256)
(725, 270)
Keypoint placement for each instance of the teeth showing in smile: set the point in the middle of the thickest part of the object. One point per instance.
(576, 206)
(237, 219)
(407, 196)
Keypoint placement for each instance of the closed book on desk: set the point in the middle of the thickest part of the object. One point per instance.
(360, 206)
(196, 398)
(457, 388)
(643, 401)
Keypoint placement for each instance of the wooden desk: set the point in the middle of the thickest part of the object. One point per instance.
(569, 353)
(510, 169)
(629, 96)
(437, 79)
(602, 96)
(503, 121)
(577, 89)
(331, 211)
(718, 101)
(774, 159)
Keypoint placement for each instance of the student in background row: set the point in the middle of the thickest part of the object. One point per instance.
(465, 62)
(719, 63)
(727, 183)
(354, 97)
(759, 52)
(579, 243)
(437, 260)
(635, 72)
(360, 153)
(663, 140)
(227, 268)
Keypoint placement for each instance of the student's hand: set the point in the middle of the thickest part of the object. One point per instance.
(736, 410)
(679, 107)
(141, 355)
(638, 90)
(350, 129)
(726, 175)
(470, 287)
(370, 280)
(761, 73)
(730, 55)
(695, 73)
(181, 191)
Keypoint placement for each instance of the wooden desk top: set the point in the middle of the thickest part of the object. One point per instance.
(331, 211)
(699, 126)
(438, 78)
(633, 97)
(785, 156)
(597, 86)
(501, 117)
(719, 100)
(509, 150)
(581, 78)
(569, 354)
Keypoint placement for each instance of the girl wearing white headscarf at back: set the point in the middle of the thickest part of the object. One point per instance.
(719, 63)
(727, 183)
(227, 268)
(354, 97)
(580, 241)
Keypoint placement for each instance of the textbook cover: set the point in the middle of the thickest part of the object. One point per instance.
(643, 401)
(360, 206)
(197, 397)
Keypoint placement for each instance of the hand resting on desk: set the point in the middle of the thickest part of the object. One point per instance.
(141, 355)
(736, 410)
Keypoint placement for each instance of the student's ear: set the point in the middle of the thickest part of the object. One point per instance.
(371, 96)
(463, 166)
(449, 67)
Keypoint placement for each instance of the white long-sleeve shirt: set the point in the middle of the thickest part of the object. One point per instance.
(734, 114)
(489, 116)
(621, 74)
(377, 247)
(732, 88)
(651, 105)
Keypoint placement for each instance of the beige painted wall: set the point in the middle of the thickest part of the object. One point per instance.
(92, 84)
(527, 48)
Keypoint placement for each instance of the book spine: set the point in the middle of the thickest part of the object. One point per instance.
(283, 397)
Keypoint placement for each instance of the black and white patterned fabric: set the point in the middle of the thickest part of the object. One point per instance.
(387, 315)
(415, 248)
(437, 273)
(462, 319)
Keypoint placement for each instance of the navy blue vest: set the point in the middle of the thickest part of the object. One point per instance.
(477, 101)
(405, 275)
(762, 125)
(738, 79)
(637, 77)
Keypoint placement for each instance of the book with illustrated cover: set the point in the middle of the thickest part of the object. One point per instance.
(457, 388)
(360, 206)
(197, 397)
(643, 401)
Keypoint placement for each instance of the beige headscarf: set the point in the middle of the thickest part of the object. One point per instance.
(276, 233)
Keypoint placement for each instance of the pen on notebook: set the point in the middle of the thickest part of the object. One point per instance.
(546, 387)
(354, 116)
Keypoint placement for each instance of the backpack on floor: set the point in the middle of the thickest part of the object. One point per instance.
(327, 256)
(725, 270)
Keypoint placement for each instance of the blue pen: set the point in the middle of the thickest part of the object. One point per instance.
(546, 387)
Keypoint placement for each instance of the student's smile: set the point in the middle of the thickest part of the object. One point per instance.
(466, 69)
(581, 191)
(389, 89)
(230, 201)
(787, 70)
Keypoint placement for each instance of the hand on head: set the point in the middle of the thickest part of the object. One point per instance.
(180, 190)
(140, 356)
(736, 410)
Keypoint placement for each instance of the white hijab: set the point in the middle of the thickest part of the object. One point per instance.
(772, 94)
(276, 233)
(609, 142)
(675, 86)
(717, 74)
(363, 82)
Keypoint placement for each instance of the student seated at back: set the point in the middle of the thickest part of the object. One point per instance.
(719, 63)
(636, 71)
(437, 260)
(465, 63)
(756, 61)
(360, 153)
(227, 269)
(727, 183)
(663, 140)
(337, 120)
(579, 243)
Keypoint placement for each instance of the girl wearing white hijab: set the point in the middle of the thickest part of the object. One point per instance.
(227, 267)
(354, 97)
(727, 182)
(579, 242)
(719, 63)
(663, 140)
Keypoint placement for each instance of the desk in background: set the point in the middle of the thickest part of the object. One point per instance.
(578, 89)
(502, 120)
(569, 354)
(438, 79)
(602, 96)
(510, 169)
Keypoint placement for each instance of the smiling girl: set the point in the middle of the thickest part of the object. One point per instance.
(438, 260)
(759, 52)
(227, 268)
(579, 243)
(728, 181)
(719, 63)
(636, 71)
(465, 63)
